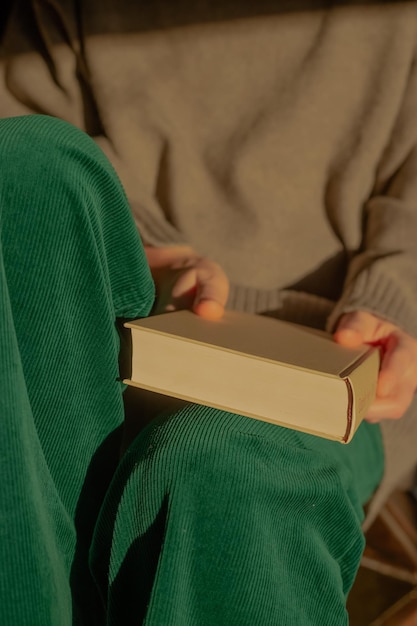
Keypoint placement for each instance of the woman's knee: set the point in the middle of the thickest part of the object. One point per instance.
(55, 180)
(40, 154)
(210, 466)
(38, 138)
(198, 441)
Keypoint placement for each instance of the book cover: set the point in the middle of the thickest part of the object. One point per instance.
(257, 366)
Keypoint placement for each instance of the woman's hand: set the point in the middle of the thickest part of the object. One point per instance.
(397, 381)
(185, 280)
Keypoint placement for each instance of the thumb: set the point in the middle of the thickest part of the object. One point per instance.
(212, 291)
(208, 286)
(355, 329)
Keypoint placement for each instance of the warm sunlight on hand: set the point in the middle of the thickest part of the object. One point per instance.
(186, 281)
(398, 375)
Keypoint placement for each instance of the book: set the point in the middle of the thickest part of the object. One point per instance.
(257, 366)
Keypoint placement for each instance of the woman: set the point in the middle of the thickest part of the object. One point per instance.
(207, 178)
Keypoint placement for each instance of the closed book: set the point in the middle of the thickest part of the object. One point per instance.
(257, 366)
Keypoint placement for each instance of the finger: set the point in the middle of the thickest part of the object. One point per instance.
(356, 328)
(204, 288)
(162, 257)
(207, 278)
(396, 382)
(209, 309)
(398, 369)
(381, 409)
(185, 282)
(212, 290)
(392, 407)
(179, 293)
(165, 300)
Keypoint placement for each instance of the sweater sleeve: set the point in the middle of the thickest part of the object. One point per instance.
(382, 276)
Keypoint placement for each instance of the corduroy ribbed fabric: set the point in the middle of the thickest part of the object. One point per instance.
(276, 138)
(208, 518)
(71, 262)
(236, 522)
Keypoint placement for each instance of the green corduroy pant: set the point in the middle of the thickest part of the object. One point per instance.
(207, 518)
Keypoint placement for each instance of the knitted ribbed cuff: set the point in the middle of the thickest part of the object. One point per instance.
(297, 307)
(384, 295)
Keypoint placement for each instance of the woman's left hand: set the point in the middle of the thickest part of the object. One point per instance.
(397, 381)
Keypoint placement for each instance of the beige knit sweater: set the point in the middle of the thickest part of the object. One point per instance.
(279, 141)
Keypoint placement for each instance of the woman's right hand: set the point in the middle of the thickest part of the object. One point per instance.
(185, 280)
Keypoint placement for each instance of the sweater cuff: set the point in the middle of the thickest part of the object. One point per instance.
(293, 306)
(386, 296)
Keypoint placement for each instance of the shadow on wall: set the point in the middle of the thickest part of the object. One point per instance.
(5, 6)
(124, 16)
(161, 14)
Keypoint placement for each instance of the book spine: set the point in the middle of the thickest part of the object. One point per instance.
(361, 383)
(349, 412)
